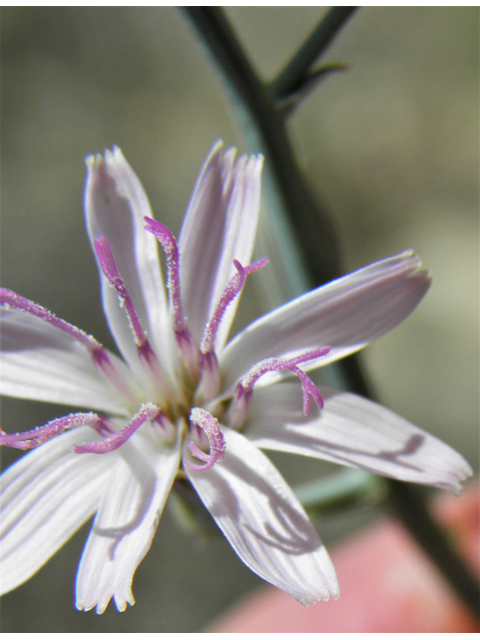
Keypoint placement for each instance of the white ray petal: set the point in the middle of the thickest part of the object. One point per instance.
(45, 497)
(239, 238)
(345, 314)
(41, 362)
(115, 205)
(264, 521)
(219, 226)
(126, 522)
(352, 431)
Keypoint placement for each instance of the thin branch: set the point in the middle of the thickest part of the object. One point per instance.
(290, 102)
(228, 57)
(297, 70)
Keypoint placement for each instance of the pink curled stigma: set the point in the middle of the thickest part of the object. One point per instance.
(201, 419)
(244, 389)
(231, 291)
(148, 411)
(210, 382)
(109, 267)
(184, 338)
(39, 435)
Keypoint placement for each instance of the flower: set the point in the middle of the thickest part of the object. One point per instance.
(182, 402)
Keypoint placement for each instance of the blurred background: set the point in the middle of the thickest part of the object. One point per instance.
(390, 147)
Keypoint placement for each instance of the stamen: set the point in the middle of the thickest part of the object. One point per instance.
(231, 291)
(169, 244)
(185, 341)
(210, 371)
(244, 389)
(110, 269)
(145, 352)
(147, 412)
(97, 351)
(11, 299)
(202, 419)
(39, 435)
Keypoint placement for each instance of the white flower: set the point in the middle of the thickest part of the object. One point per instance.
(184, 403)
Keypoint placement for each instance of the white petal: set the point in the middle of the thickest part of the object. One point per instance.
(264, 521)
(41, 362)
(115, 205)
(355, 432)
(345, 314)
(45, 497)
(219, 226)
(126, 522)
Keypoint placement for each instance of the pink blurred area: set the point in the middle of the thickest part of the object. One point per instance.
(387, 584)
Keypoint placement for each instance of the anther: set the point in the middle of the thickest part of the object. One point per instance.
(210, 382)
(145, 352)
(169, 244)
(164, 427)
(13, 300)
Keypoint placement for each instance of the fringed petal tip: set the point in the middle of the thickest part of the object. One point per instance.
(94, 160)
(414, 264)
(330, 590)
(458, 477)
(100, 607)
(324, 596)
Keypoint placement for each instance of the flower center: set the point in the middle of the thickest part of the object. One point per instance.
(198, 380)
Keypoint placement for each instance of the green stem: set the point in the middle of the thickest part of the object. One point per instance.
(264, 127)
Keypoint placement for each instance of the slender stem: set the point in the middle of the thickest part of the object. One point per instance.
(300, 65)
(228, 57)
(264, 127)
